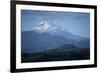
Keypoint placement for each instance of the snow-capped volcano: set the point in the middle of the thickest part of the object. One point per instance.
(37, 38)
(55, 30)
(52, 29)
(45, 26)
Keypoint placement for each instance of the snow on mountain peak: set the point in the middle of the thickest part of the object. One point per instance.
(52, 29)
(45, 26)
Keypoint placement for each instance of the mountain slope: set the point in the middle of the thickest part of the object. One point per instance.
(47, 35)
(32, 41)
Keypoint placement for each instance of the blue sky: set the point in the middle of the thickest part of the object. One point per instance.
(75, 22)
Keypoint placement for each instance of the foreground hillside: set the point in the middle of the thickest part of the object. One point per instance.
(57, 55)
